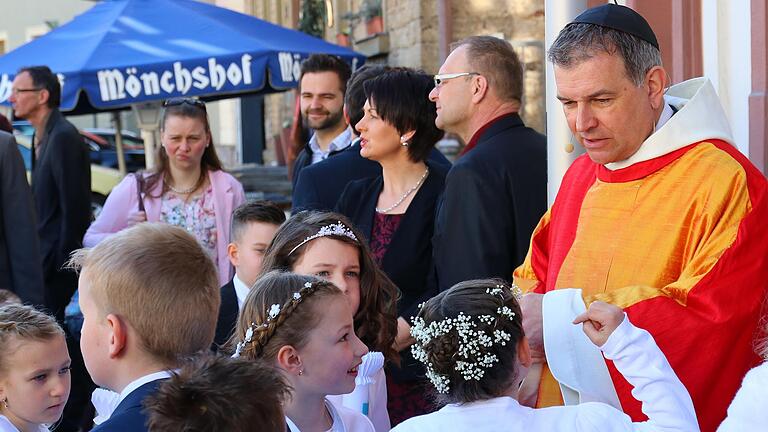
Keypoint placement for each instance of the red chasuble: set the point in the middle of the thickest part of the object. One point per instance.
(681, 243)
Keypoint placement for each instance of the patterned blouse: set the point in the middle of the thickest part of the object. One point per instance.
(197, 216)
(384, 228)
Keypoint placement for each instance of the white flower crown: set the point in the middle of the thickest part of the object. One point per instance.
(469, 363)
(274, 312)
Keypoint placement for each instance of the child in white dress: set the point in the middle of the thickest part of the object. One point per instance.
(304, 326)
(34, 369)
(749, 409)
(471, 340)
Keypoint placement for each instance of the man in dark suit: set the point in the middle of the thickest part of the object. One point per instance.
(61, 189)
(253, 226)
(20, 265)
(61, 180)
(496, 191)
(322, 85)
(319, 186)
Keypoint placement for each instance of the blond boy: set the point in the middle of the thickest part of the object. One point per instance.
(149, 298)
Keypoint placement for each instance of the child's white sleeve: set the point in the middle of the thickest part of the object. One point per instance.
(749, 409)
(378, 413)
(664, 399)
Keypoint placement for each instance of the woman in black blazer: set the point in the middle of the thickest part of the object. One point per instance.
(396, 210)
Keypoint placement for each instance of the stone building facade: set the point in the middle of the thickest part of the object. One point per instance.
(411, 35)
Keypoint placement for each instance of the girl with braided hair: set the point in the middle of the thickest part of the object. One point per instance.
(34, 369)
(476, 354)
(304, 326)
(328, 246)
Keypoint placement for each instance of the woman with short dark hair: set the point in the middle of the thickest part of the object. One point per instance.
(396, 210)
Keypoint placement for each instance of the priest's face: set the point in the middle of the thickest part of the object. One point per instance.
(606, 111)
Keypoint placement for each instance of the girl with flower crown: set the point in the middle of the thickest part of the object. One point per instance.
(304, 326)
(328, 246)
(471, 340)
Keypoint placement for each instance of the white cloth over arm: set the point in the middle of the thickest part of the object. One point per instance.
(575, 362)
(377, 402)
(749, 409)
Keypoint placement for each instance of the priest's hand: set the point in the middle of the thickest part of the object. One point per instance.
(530, 306)
(403, 339)
(600, 320)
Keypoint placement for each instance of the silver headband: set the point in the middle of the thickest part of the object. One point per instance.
(337, 229)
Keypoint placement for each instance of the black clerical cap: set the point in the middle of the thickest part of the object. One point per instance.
(619, 18)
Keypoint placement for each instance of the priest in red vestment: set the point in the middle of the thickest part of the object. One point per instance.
(663, 216)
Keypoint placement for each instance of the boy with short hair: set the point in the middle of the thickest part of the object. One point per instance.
(217, 393)
(8, 297)
(253, 226)
(149, 297)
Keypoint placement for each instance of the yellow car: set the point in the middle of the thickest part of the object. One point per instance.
(104, 175)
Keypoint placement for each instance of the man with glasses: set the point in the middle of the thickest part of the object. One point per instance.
(61, 180)
(496, 191)
(61, 189)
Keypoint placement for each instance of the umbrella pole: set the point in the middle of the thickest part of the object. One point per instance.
(119, 143)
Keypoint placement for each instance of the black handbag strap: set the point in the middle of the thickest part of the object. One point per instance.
(139, 186)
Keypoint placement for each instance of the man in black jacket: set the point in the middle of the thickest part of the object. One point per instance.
(496, 191)
(61, 180)
(61, 189)
(20, 267)
(322, 85)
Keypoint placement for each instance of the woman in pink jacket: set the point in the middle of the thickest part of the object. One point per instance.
(187, 188)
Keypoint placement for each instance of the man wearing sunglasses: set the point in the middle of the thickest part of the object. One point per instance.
(496, 191)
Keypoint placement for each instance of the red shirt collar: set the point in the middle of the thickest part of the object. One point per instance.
(476, 137)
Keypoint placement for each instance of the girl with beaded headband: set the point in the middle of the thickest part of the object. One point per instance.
(304, 326)
(471, 339)
(328, 246)
(34, 369)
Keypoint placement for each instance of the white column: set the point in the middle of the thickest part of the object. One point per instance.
(726, 44)
(557, 14)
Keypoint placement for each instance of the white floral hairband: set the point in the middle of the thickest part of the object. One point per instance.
(471, 341)
(274, 312)
(338, 229)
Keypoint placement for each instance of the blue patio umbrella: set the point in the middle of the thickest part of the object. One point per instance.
(122, 52)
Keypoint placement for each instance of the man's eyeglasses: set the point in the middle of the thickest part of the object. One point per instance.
(449, 76)
(181, 101)
(18, 90)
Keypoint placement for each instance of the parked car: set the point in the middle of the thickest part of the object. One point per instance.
(104, 149)
(104, 173)
(131, 141)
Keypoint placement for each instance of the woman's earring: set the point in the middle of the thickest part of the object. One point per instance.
(404, 141)
(301, 372)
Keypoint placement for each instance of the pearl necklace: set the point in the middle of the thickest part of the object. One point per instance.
(405, 195)
(186, 191)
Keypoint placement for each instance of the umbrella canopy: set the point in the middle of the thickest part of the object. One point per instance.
(122, 52)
